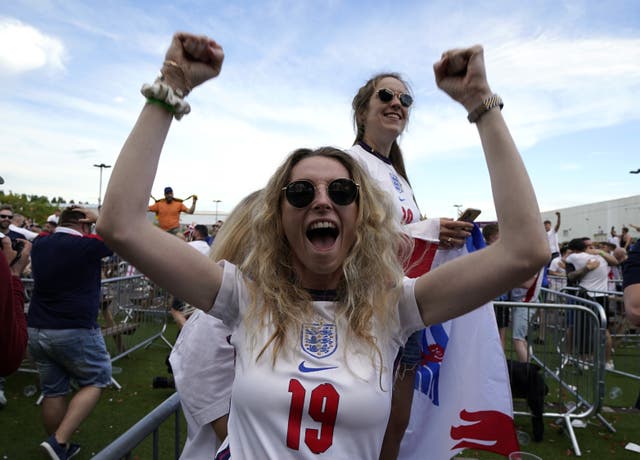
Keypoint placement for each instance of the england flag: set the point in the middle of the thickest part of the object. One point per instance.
(462, 397)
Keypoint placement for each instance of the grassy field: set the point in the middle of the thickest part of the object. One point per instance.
(21, 429)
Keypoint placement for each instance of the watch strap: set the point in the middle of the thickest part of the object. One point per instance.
(486, 105)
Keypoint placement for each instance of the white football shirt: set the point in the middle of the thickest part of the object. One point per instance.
(324, 398)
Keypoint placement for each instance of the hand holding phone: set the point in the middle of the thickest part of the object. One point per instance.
(469, 215)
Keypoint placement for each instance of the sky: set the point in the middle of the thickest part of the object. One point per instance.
(568, 72)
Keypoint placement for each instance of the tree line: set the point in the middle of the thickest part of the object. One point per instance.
(35, 207)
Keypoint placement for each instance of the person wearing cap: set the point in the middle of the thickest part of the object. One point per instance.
(168, 211)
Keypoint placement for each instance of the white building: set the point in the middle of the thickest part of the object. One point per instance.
(596, 219)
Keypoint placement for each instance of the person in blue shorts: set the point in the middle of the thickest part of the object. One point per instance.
(64, 338)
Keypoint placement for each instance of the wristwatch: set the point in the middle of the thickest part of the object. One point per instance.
(486, 105)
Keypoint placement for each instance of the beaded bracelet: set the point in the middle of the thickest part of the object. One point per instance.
(165, 96)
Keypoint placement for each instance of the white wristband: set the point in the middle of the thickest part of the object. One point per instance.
(164, 93)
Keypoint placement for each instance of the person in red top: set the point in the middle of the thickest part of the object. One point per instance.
(13, 324)
(168, 211)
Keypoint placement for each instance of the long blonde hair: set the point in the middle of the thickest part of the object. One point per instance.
(372, 271)
(234, 238)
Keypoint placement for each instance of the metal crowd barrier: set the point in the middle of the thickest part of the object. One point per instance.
(566, 339)
(134, 313)
(124, 445)
(623, 334)
(556, 283)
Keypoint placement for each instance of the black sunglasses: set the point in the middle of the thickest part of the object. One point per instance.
(386, 95)
(300, 193)
(6, 216)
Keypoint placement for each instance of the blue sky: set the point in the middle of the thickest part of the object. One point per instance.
(568, 71)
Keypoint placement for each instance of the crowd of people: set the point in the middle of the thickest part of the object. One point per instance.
(326, 287)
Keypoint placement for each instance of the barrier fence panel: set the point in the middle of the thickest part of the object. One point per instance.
(124, 445)
(556, 283)
(134, 312)
(567, 341)
(624, 337)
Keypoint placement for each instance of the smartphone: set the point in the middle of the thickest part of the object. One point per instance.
(469, 215)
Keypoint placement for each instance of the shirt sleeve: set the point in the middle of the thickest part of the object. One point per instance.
(427, 229)
(202, 361)
(227, 304)
(153, 207)
(13, 324)
(183, 208)
(409, 314)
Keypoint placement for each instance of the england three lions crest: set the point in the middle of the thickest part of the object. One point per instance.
(319, 339)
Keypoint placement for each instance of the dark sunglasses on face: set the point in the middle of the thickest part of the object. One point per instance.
(300, 193)
(386, 95)
(6, 216)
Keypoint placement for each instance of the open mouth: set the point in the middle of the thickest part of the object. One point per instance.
(393, 115)
(322, 235)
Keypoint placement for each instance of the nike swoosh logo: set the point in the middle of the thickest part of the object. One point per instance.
(303, 368)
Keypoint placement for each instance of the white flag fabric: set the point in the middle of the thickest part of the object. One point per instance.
(462, 397)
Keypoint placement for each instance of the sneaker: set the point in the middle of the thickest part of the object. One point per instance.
(54, 449)
(3, 399)
(73, 450)
(609, 366)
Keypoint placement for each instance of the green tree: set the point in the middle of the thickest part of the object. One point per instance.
(35, 207)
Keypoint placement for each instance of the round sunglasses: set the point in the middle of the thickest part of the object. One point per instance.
(386, 95)
(300, 193)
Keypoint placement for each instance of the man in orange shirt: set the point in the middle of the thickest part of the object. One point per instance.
(168, 211)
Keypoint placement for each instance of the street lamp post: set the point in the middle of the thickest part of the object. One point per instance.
(101, 166)
(458, 207)
(216, 202)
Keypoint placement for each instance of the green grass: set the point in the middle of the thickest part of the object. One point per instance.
(117, 411)
(595, 441)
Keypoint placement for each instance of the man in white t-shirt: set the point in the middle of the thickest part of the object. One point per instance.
(55, 216)
(614, 238)
(199, 241)
(592, 274)
(558, 264)
(552, 236)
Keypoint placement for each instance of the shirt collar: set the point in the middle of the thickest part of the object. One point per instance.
(68, 230)
(329, 295)
(369, 149)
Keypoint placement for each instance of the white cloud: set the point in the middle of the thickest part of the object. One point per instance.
(289, 75)
(24, 48)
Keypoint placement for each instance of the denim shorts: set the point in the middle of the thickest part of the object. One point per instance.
(520, 317)
(65, 354)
